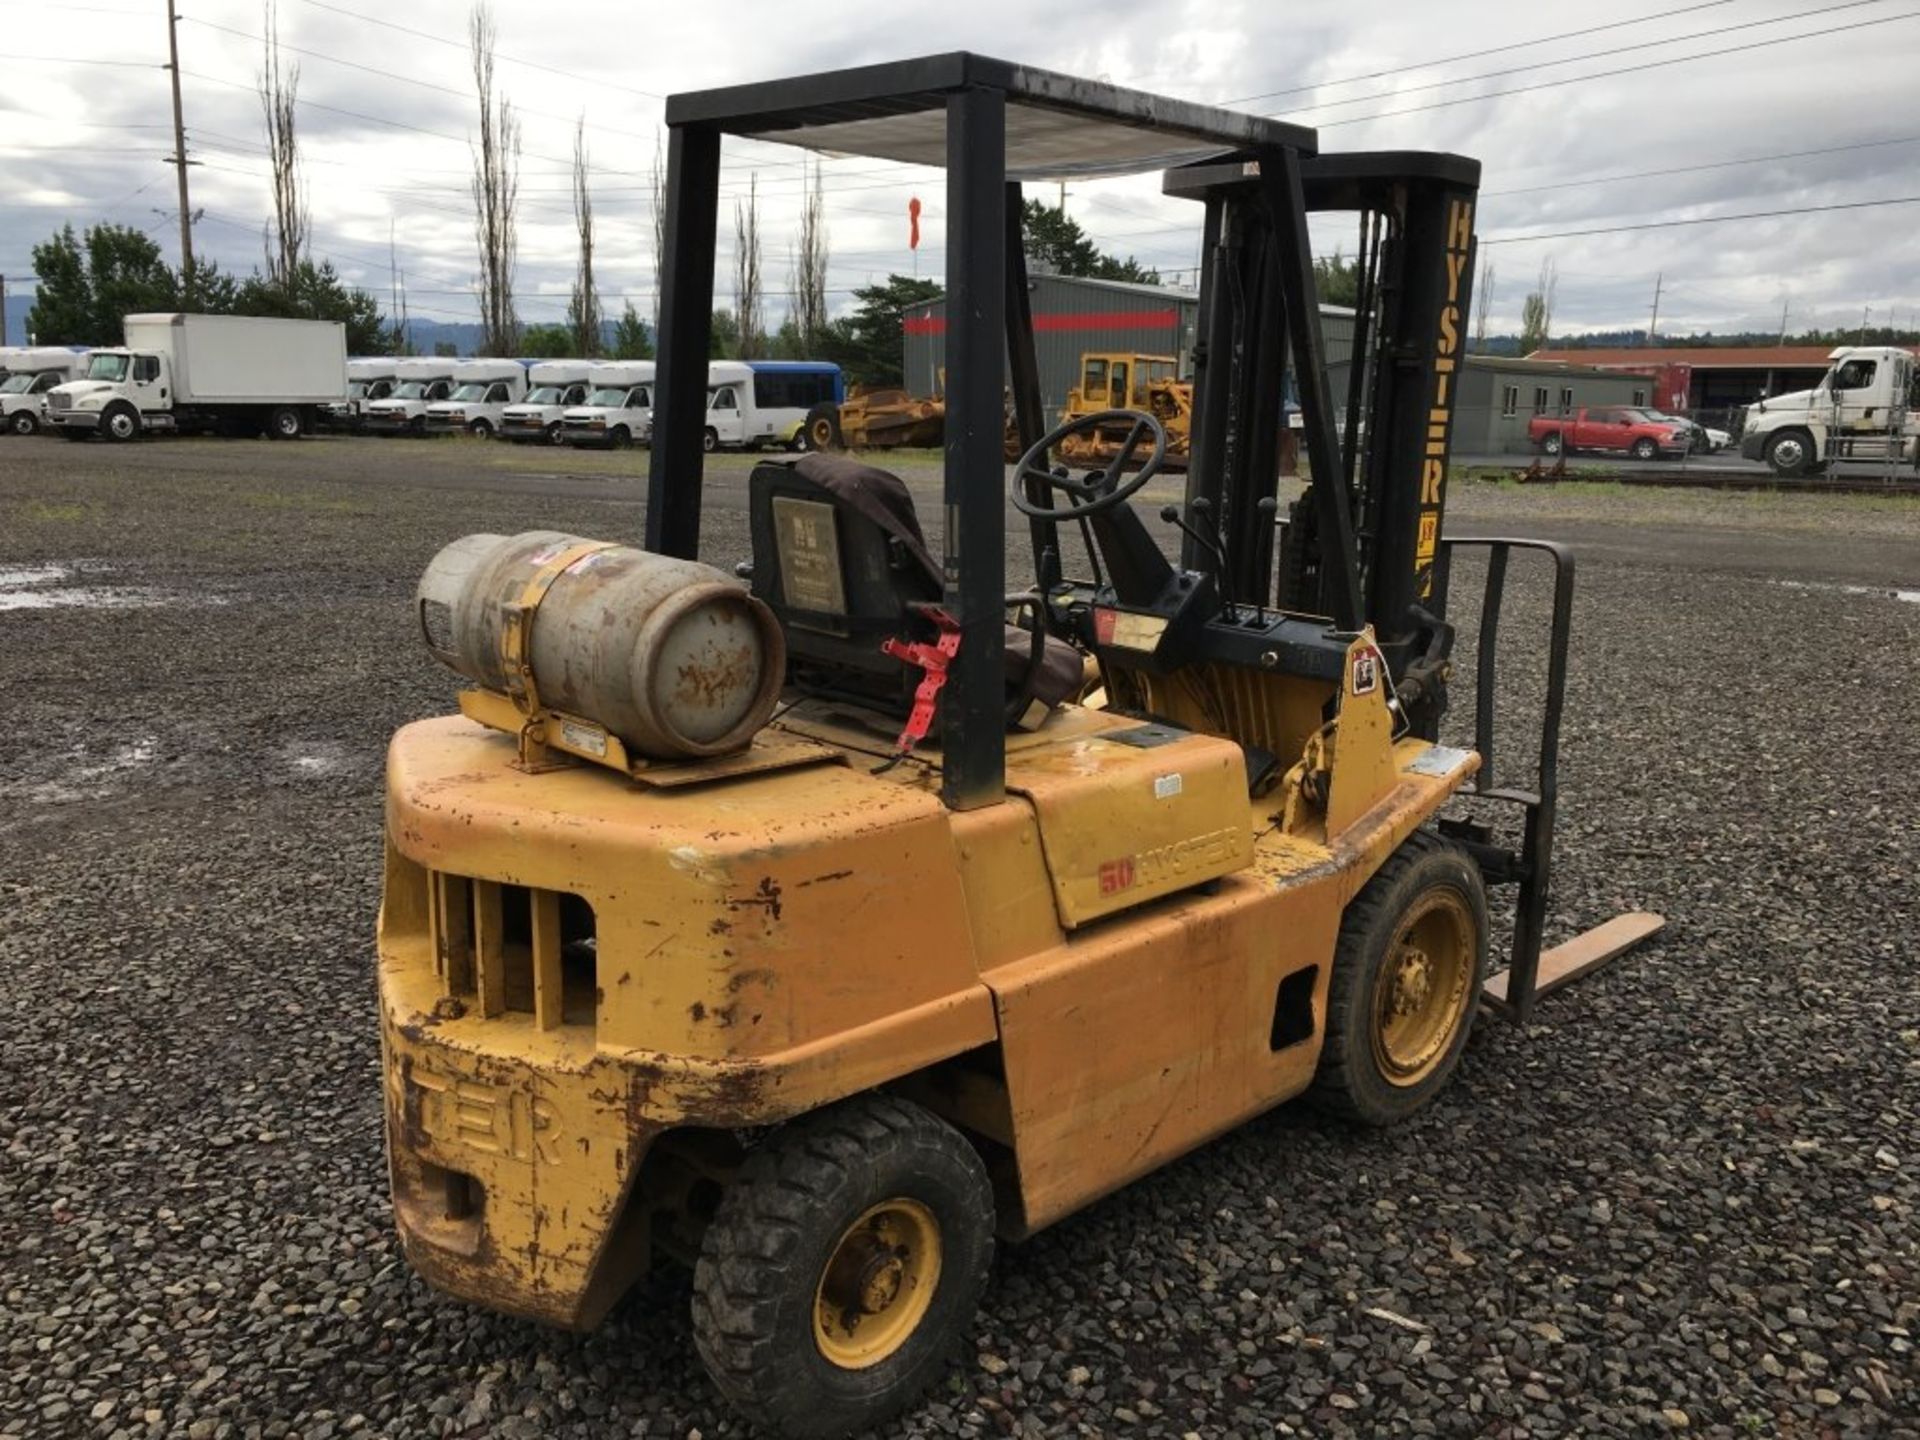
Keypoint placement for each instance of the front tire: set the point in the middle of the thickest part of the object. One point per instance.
(481, 429)
(1790, 453)
(553, 433)
(619, 438)
(1551, 444)
(843, 1267)
(821, 429)
(1406, 983)
(710, 440)
(120, 424)
(1644, 449)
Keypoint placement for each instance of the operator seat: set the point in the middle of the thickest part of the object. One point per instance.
(839, 556)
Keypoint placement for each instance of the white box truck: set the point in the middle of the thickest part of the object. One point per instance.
(369, 378)
(619, 408)
(231, 374)
(1866, 407)
(557, 385)
(418, 384)
(30, 373)
(482, 390)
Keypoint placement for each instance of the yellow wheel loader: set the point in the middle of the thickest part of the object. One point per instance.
(826, 931)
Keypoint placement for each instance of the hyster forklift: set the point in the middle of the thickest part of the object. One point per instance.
(820, 931)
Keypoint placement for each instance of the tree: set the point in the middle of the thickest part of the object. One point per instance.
(89, 285)
(659, 185)
(583, 309)
(1336, 279)
(548, 342)
(1536, 311)
(1483, 306)
(1055, 239)
(316, 292)
(749, 308)
(496, 188)
(869, 343)
(725, 341)
(62, 311)
(631, 340)
(278, 93)
(808, 282)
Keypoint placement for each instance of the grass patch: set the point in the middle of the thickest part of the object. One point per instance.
(296, 500)
(55, 512)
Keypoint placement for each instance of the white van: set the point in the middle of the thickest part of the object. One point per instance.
(751, 403)
(369, 378)
(27, 373)
(619, 408)
(482, 391)
(418, 384)
(558, 385)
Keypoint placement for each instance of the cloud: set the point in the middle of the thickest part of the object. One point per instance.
(85, 140)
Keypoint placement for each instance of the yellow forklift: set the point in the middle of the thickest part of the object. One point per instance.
(822, 931)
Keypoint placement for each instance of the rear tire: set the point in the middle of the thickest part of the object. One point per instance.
(843, 1267)
(1406, 983)
(284, 423)
(23, 422)
(821, 429)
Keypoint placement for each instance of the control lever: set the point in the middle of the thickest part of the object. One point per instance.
(1203, 507)
(1171, 514)
(1268, 508)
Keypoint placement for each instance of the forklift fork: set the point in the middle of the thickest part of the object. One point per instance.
(1530, 974)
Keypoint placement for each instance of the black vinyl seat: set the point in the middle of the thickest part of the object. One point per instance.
(839, 556)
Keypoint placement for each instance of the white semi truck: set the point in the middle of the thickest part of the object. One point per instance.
(229, 374)
(27, 376)
(418, 384)
(556, 385)
(482, 390)
(1864, 408)
(619, 408)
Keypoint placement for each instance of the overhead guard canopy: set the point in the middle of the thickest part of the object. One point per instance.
(1057, 127)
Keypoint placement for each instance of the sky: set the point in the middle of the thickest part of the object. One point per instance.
(1656, 113)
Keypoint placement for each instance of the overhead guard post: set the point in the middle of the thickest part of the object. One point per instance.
(677, 461)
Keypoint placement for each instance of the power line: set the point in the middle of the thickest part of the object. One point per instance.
(1476, 54)
(1623, 70)
(1710, 165)
(1700, 220)
(1578, 59)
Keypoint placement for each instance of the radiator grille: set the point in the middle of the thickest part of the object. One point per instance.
(510, 948)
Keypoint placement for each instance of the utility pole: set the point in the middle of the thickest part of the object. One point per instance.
(180, 154)
(1783, 321)
(1865, 311)
(1653, 325)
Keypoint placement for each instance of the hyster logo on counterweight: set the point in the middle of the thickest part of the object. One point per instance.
(1446, 347)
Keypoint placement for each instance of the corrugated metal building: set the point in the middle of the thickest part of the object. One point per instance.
(1072, 315)
(1498, 396)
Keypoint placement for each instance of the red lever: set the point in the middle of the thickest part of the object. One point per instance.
(933, 661)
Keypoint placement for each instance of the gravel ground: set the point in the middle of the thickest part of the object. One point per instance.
(1687, 1199)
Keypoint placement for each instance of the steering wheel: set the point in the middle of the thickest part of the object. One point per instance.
(1101, 490)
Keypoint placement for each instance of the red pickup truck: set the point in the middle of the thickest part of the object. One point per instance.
(1610, 427)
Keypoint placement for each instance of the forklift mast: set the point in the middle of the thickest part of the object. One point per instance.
(1368, 549)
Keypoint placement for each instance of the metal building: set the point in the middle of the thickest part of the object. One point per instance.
(1072, 315)
(1499, 395)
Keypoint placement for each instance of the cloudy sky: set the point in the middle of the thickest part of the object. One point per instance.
(1654, 113)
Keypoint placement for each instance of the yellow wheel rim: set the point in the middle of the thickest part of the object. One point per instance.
(878, 1284)
(1421, 993)
(822, 434)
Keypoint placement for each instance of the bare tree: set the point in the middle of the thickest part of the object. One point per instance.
(659, 226)
(809, 266)
(583, 310)
(748, 302)
(496, 188)
(279, 89)
(1536, 311)
(1483, 306)
(399, 327)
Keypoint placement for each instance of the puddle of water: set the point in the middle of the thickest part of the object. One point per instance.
(32, 575)
(1885, 592)
(47, 587)
(91, 778)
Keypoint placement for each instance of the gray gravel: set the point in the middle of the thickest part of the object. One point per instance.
(1688, 1199)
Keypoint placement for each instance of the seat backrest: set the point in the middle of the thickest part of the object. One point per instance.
(838, 556)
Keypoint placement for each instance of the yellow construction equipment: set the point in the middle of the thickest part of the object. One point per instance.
(875, 418)
(813, 931)
(1114, 385)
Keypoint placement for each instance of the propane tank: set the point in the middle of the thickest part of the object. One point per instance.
(669, 655)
